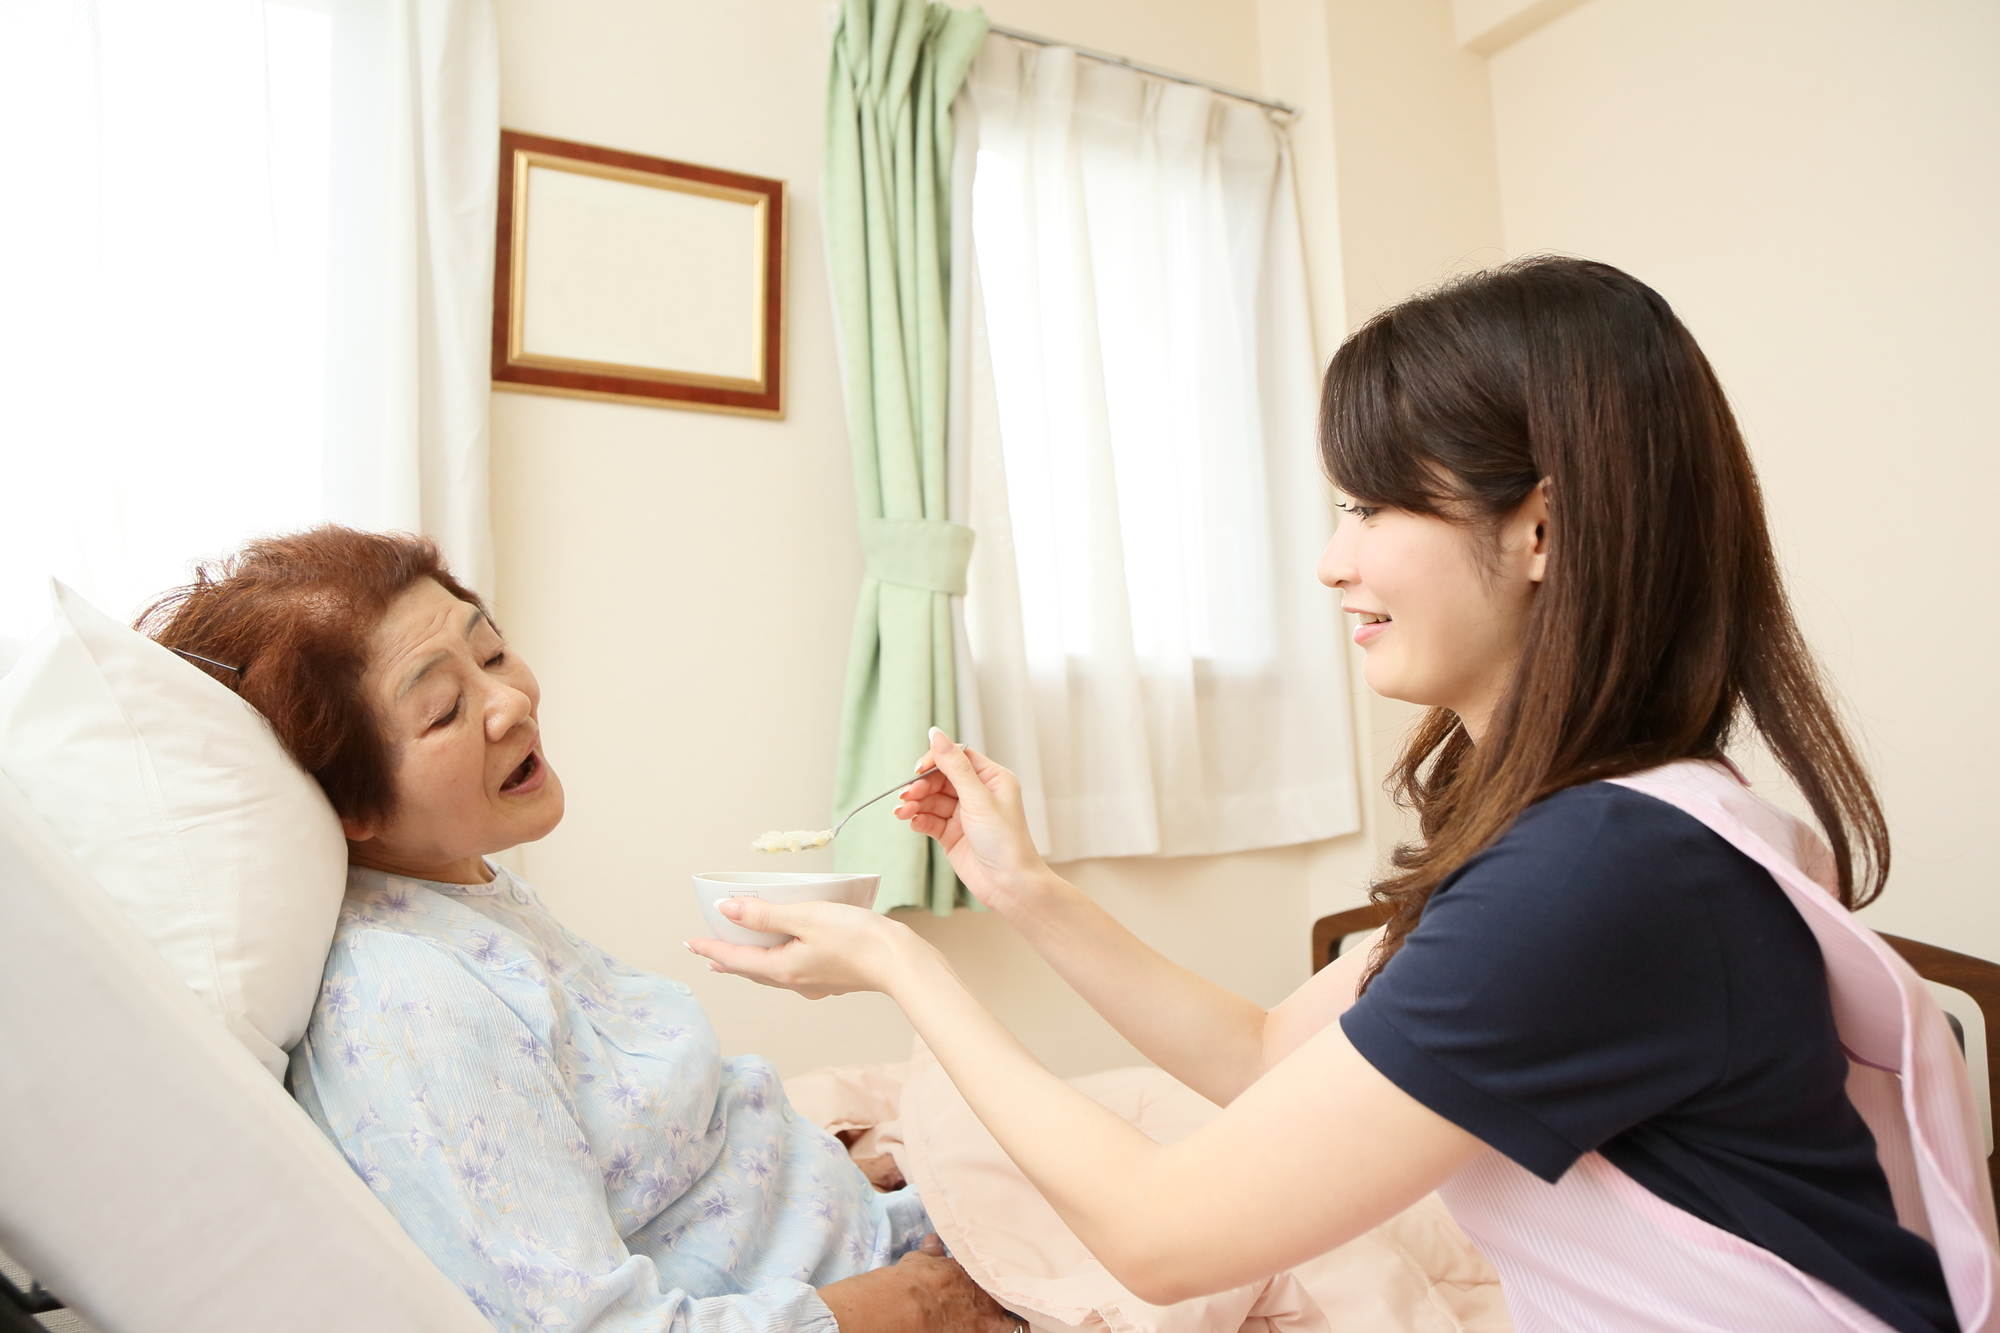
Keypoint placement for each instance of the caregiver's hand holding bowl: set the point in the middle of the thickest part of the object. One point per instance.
(845, 948)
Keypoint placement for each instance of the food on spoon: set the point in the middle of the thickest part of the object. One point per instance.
(796, 840)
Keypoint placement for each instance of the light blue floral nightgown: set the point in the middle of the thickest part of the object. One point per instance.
(559, 1132)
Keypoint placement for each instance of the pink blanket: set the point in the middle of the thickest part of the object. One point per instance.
(1416, 1273)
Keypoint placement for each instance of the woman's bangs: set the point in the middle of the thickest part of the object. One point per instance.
(1368, 444)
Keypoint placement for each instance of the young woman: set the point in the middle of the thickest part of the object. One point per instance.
(1607, 1019)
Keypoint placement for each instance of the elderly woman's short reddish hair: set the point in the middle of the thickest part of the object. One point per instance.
(295, 614)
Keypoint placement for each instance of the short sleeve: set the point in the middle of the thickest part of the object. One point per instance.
(1563, 986)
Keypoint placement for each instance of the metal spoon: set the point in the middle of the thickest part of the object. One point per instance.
(835, 831)
(819, 841)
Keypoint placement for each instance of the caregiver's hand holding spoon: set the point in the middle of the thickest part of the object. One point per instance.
(972, 806)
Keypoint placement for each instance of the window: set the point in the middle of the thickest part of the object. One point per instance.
(163, 264)
(1150, 649)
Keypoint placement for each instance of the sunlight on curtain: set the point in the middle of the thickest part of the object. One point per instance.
(163, 273)
(1152, 652)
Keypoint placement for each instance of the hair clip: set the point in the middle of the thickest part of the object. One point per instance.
(199, 658)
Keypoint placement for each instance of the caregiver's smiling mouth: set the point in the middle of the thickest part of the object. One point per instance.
(528, 776)
(1373, 623)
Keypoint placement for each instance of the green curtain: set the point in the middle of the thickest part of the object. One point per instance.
(897, 64)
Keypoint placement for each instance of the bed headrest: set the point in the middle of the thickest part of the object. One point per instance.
(151, 1173)
(176, 797)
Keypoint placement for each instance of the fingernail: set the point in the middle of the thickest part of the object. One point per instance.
(723, 905)
(713, 968)
(939, 741)
(687, 946)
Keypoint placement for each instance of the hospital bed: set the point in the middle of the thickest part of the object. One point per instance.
(152, 1173)
(156, 1177)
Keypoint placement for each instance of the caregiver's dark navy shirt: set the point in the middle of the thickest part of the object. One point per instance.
(1612, 976)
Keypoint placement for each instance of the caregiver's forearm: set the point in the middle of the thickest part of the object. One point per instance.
(1090, 1164)
(1243, 1197)
(1204, 1035)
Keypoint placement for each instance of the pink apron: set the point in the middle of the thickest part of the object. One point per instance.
(1598, 1251)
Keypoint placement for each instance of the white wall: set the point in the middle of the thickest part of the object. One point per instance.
(684, 583)
(1815, 185)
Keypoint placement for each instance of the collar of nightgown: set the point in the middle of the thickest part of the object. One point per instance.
(503, 882)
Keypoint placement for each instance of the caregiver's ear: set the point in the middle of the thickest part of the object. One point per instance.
(358, 830)
(1533, 522)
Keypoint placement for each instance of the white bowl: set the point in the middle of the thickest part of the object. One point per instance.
(775, 887)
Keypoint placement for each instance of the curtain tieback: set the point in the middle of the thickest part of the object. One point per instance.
(917, 553)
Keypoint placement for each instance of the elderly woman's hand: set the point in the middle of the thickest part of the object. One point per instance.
(835, 948)
(972, 806)
(925, 1292)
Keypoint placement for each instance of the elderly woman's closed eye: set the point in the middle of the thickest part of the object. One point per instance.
(557, 1130)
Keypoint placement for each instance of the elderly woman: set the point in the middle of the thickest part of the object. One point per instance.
(557, 1130)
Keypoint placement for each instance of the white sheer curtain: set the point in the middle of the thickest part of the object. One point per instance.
(1150, 649)
(169, 246)
(415, 164)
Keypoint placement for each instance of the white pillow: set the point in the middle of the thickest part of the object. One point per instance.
(176, 796)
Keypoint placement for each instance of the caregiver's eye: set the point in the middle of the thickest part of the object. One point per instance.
(1358, 510)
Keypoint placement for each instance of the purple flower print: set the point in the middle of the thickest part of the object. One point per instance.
(520, 1276)
(474, 1172)
(370, 1175)
(754, 1166)
(857, 1248)
(657, 1188)
(336, 996)
(477, 1295)
(489, 946)
(719, 1206)
(353, 1051)
(566, 1278)
(626, 1095)
(618, 1168)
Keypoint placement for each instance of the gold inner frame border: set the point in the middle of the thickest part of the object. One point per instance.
(524, 161)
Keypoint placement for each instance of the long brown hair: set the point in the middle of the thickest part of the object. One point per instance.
(1661, 619)
(289, 617)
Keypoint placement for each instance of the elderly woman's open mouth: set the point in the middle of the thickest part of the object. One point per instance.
(526, 777)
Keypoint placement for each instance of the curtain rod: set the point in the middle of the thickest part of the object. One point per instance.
(1283, 108)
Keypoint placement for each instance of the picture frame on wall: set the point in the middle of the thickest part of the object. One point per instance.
(638, 279)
